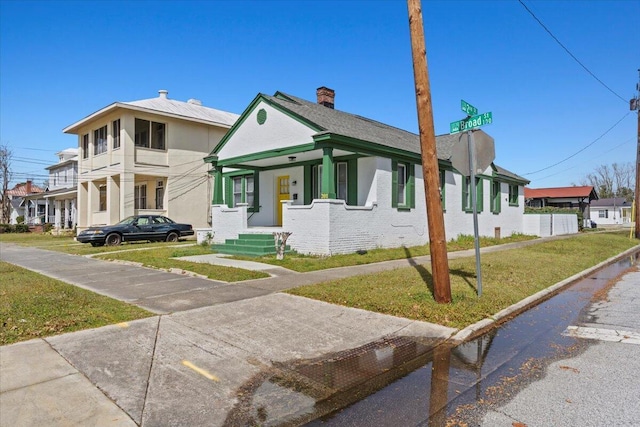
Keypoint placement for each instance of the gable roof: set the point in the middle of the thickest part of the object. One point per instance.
(331, 121)
(611, 201)
(20, 190)
(192, 110)
(560, 192)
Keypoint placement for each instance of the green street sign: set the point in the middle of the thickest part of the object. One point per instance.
(468, 108)
(471, 123)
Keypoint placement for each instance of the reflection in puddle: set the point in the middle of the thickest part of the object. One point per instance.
(410, 381)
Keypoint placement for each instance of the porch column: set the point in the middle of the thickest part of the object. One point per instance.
(74, 213)
(113, 199)
(67, 215)
(126, 202)
(46, 211)
(218, 190)
(328, 174)
(57, 221)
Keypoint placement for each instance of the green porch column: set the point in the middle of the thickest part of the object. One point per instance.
(328, 174)
(218, 192)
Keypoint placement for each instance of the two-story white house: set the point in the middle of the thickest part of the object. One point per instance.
(146, 157)
(61, 194)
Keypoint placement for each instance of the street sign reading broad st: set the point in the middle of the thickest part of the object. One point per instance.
(468, 108)
(471, 123)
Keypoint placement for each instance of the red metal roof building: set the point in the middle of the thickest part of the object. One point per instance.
(561, 197)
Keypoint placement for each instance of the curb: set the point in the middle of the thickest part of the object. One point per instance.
(477, 328)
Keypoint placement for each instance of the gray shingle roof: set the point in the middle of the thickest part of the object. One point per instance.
(358, 127)
(617, 201)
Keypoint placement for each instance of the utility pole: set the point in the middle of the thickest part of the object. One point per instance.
(430, 173)
(635, 105)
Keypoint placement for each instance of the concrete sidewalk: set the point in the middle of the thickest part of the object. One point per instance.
(227, 351)
(162, 292)
(199, 367)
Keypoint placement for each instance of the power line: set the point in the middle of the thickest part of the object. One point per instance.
(582, 149)
(575, 166)
(569, 52)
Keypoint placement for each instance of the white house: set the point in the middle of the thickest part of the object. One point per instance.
(611, 211)
(26, 201)
(61, 194)
(146, 157)
(341, 182)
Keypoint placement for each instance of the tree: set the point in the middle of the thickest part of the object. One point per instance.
(615, 180)
(5, 178)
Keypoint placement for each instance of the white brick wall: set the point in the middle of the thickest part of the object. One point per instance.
(228, 222)
(328, 227)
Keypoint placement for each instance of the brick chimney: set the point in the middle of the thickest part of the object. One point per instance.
(326, 96)
(27, 187)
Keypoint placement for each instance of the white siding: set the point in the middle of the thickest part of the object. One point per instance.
(279, 131)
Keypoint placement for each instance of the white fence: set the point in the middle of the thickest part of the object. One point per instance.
(545, 225)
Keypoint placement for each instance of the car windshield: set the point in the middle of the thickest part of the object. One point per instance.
(127, 221)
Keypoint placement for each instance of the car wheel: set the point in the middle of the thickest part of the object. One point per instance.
(113, 239)
(96, 244)
(172, 237)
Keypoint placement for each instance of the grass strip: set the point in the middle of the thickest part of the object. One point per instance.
(303, 263)
(507, 277)
(162, 257)
(35, 306)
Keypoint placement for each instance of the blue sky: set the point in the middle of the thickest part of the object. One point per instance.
(62, 60)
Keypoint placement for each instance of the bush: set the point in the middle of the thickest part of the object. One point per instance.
(21, 228)
(6, 228)
(20, 219)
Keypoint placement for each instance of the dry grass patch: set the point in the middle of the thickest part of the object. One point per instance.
(163, 257)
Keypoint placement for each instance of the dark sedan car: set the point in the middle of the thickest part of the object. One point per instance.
(138, 227)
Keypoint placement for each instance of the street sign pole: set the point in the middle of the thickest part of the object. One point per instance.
(474, 202)
(473, 120)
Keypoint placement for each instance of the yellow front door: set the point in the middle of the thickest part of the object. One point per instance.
(282, 193)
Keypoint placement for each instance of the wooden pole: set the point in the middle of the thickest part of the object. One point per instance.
(636, 201)
(430, 172)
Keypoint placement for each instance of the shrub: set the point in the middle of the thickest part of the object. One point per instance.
(21, 228)
(20, 219)
(6, 228)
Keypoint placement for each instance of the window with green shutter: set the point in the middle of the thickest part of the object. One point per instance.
(466, 194)
(402, 185)
(513, 194)
(495, 196)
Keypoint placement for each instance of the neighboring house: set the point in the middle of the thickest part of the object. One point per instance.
(26, 201)
(61, 195)
(341, 182)
(611, 211)
(146, 157)
(561, 197)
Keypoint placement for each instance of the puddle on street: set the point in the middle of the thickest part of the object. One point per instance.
(411, 382)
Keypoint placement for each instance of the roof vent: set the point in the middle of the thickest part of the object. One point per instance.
(163, 93)
(194, 101)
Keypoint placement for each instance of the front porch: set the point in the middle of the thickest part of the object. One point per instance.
(326, 227)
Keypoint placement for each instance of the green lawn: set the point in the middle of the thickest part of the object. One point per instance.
(302, 263)
(507, 278)
(162, 257)
(34, 306)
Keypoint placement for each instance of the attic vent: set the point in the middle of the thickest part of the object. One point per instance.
(194, 101)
